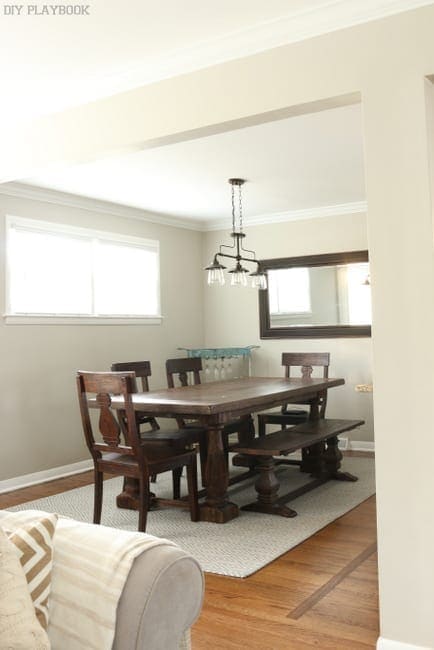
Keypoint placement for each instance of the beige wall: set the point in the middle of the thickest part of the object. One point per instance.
(41, 428)
(232, 315)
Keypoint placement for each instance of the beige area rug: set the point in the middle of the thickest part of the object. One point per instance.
(243, 545)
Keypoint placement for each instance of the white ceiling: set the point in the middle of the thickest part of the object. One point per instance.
(49, 63)
(293, 164)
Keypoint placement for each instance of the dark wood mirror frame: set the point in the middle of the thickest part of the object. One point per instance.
(309, 331)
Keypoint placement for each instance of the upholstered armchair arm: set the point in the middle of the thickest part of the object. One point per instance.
(162, 598)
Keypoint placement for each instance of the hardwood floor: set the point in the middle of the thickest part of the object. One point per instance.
(322, 594)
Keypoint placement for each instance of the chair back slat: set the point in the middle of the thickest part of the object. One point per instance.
(306, 361)
(187, 371)
(108, 425)
(142, 370)
(105, 382)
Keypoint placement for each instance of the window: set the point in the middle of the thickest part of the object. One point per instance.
(289, 291)
(57, 271)
(359, 294)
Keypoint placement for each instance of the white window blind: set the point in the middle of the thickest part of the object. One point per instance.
(56, 270)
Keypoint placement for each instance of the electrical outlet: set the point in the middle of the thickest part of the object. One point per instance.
(363, 388)
(343, 444)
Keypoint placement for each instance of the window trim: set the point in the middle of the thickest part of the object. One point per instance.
(41, 226)
(56, 319)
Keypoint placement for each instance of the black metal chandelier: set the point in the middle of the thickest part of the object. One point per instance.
(239, 273)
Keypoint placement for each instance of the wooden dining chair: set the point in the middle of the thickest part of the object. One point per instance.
(290, 415)
(182, 439)
(119, 450)
(187, 371)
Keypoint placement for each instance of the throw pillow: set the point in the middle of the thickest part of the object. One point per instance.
(34, 546)
(19, 627)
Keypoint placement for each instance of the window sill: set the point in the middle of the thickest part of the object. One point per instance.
(34, 319)
(290, 315)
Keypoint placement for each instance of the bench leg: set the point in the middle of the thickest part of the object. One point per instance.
(332, 458)
(316, 462)
(267, 487)
(308, 460)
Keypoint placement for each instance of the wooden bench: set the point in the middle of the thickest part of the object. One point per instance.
(321, 458)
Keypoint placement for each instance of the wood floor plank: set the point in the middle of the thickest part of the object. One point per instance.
(252, 613)
(319, 594)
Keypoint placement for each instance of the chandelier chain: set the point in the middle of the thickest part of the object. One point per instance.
(240, 208)
(233, 208)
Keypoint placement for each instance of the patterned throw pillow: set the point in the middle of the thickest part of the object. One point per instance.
(34, 545)
(19, 627)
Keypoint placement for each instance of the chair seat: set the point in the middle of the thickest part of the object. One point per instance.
(158, 460)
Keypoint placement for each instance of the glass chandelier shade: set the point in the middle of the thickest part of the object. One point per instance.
(259, 280)
(238, 276)
(237, 252)
(215, 272)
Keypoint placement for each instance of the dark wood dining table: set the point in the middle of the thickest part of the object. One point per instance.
(216, 403)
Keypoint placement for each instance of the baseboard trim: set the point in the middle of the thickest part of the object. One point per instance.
(361, 445)
(356, 445)
(27, 480)
(389, 644)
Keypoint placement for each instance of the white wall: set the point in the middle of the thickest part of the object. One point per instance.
(40, 422)
(232, 313)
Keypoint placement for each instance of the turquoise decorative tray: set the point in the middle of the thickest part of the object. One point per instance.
(219, 353)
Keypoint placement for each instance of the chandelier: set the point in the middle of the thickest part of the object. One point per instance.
(237, 252)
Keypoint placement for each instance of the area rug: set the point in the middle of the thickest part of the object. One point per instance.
(243, 545)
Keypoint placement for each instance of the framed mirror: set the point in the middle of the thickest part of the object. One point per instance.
(316, 296)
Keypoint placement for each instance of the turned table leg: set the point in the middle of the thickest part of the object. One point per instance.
(217, 507)
(129, 497)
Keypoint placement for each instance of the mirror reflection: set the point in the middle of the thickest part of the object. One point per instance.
(322, 295)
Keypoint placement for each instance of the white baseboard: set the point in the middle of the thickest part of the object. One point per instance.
(388, 644)
(46, 475)
(361, 445)
(356, 445)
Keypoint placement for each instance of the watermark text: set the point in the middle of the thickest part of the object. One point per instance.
(46, 10)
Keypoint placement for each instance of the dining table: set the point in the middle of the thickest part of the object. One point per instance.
(214, 404)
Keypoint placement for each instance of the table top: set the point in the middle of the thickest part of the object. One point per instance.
(235, 395)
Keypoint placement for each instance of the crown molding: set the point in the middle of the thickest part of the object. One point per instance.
(294, 27)
(356, 207)
(24, 191)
